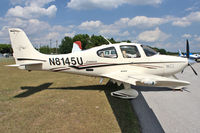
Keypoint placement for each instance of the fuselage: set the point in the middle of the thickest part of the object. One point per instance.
(103, 59)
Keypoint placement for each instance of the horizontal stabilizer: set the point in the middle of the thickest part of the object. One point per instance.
(125, 94)
(25, 64)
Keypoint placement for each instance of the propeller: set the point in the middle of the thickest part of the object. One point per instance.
(193, 69)
(190, 62)
(187, 49)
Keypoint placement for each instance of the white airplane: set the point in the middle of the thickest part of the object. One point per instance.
(6, 55)
(188, 54)
(124, 63)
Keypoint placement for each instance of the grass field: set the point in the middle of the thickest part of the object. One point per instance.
(59, 102)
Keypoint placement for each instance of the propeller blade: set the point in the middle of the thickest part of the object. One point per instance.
(193, 69)
(187, 49)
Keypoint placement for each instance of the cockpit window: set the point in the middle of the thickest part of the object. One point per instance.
(129, 51)
(107, 52)
(148, 51)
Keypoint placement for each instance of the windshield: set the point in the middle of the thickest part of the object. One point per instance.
(149, 51)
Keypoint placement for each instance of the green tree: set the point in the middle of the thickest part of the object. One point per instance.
(96, 41)
(128, 41)
(162, 51)
(66, 45)
(54, 50)
(86, 41)
(112, 40)
(5, 48)
(45, 50)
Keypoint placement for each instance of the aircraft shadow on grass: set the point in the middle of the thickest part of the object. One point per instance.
(32, 90)
(121, 108)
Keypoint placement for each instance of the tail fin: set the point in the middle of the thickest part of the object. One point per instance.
(180, 53)
(22, 47)
(76, 46)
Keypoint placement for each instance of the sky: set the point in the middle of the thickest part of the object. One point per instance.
(159, 23)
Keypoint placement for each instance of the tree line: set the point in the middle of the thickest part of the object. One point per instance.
(67, 43)
(86, 41)
(5, 48)
(92, 41)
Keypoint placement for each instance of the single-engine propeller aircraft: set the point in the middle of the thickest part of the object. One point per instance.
(195, 57)
(124, 63)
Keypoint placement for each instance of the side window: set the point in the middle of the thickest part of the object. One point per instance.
(107, 52)
(129, 51)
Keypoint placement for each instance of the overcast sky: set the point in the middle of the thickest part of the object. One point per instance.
(161, 23)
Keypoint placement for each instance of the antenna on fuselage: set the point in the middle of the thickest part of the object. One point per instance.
(106, 39)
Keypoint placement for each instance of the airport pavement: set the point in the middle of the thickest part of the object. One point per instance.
(163, 110)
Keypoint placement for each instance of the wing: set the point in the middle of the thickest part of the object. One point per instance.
(146, 80)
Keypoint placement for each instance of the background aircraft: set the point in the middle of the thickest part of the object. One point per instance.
(124, 63)
(76, 46)
(188, 54)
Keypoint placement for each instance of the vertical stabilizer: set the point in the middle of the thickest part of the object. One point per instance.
(22, 47)
(180, 53)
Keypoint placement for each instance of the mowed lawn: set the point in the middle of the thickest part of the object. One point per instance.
(41, 101)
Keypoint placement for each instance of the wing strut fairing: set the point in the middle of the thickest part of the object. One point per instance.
(126, 93)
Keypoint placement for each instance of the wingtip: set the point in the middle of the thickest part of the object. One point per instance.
(13, 65)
